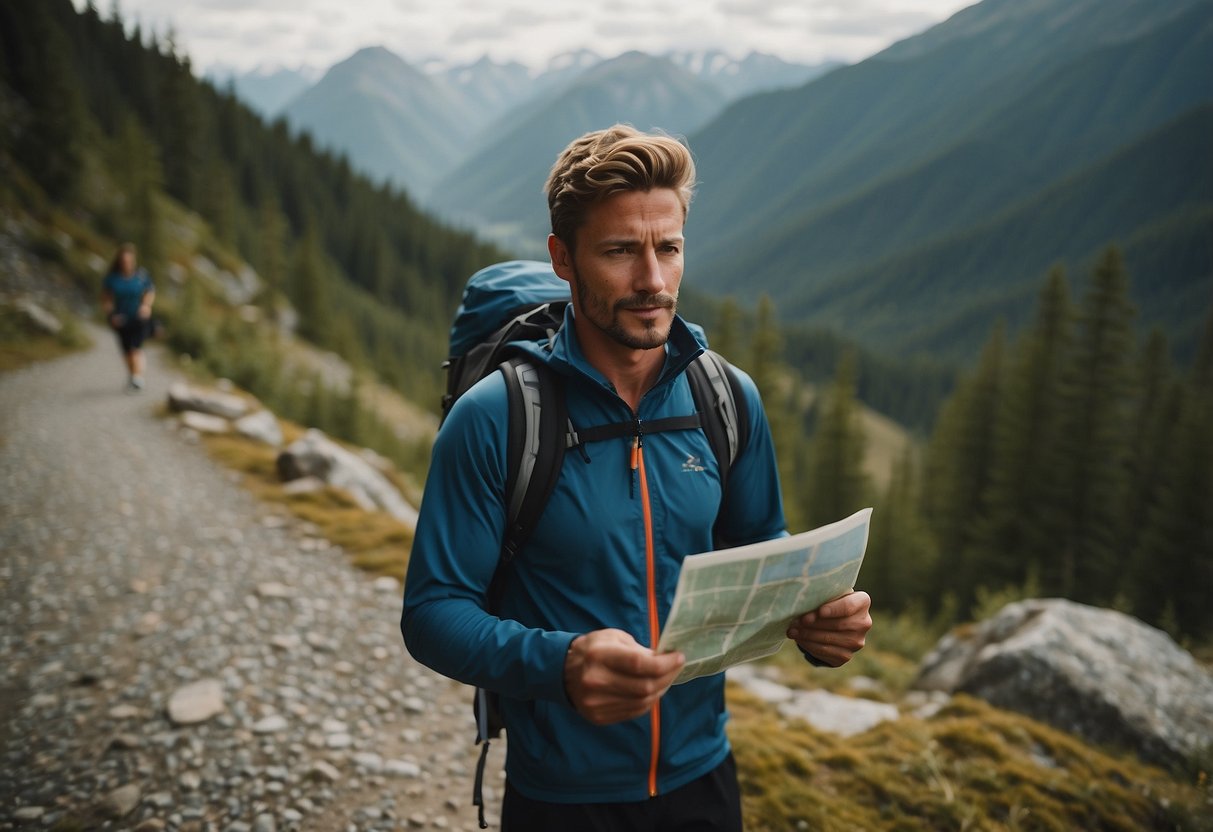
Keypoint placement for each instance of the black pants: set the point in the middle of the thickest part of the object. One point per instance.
(132, 334)
(710, 804)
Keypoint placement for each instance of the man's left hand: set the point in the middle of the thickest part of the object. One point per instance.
(835, 631)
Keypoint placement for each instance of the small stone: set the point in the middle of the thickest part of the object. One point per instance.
(44, 700)
(190, 781)
(125, 712)
(338, 741)
(148, 624)
(273, 589)
(125, 742)
(196, 702)
(369, 761)
(161, 800)
(318, 642)
(29, 813)
(204, 422)
(237, 826)
(334, 726)
(291, 816)
(324, 771)
(303, 485)
(121, 801)
(439, 822)
(386, 584)
(272, 724)
(414, 705)
(418, 821)
(401, 768)
(287, 641)
(264, 823)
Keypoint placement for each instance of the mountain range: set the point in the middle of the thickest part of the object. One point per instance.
(907, 201)
(413, 124)
(912, 199)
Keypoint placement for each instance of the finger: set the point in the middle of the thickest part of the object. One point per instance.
(846, 605)
(642, 663)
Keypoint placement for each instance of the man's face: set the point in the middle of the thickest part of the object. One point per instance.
(626, 270)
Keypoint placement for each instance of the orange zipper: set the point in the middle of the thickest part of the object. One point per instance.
(654, 624)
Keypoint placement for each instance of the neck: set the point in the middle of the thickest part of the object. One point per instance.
(630, 371)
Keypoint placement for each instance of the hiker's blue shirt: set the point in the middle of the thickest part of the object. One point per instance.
(583, 569)
(128, 291)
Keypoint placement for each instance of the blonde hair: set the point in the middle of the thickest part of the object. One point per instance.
(605, 162)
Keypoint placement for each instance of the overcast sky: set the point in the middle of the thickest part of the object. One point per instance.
(244, 34)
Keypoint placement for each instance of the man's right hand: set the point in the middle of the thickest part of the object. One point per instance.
(610, 677)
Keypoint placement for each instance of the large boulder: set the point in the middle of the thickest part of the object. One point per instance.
(1096, 673)
(182, 397)
(315, 455)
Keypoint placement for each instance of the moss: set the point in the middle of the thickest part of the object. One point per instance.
(972, 766)
(375, 541)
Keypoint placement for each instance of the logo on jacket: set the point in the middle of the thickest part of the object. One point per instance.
(692, 465)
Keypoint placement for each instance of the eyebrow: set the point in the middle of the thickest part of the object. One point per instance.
(624, 242)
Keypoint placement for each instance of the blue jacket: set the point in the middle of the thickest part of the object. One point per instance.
(585, 568)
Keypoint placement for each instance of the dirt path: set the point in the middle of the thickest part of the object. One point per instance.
(133, 566)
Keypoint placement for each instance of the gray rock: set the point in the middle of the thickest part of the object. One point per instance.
(842, 715)
(264, 823)
(401, 768)
(120, 802)
(196, 702)
(1097, 673)
(261, 426)
(29, 813)
(38, 316)
(272, 724)
(204, 422)
(182, 397)
(314, 454)
(323, 771)
(303, 485)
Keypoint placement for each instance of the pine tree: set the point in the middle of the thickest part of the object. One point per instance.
(837, 485)
(311, 291)
(1174, 556)
(959, 465)
(39, 66)
(1096, 435)
(1018, 510)
(726, 334)
(900, 562)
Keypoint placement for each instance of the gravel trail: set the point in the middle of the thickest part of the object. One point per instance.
(132, 567)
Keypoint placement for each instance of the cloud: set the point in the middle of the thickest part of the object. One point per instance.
(247, 33)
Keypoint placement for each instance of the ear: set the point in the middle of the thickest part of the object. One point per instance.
(562, 258)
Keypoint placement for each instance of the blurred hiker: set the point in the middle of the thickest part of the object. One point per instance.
(561, 628)
(127, 295)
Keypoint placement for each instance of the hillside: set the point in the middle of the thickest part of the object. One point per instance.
(499, 186)
(400, 124)
(918, 146)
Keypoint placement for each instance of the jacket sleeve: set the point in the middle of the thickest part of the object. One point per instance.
(455, 553)
(753, 501)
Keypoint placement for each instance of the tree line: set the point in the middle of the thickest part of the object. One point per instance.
(110, 121)
(1073, 462)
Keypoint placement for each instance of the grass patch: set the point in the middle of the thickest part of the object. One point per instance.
(971, 766)
(21, 344)
(375, 541)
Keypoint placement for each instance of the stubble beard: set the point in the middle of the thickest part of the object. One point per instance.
(606, 316)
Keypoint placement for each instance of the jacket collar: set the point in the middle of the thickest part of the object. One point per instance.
(563, 352)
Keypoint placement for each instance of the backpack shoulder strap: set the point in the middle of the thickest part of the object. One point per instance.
(537, 422)
(719, 397)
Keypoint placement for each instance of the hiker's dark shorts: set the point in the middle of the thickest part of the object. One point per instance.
(132, 334)
(710, 804)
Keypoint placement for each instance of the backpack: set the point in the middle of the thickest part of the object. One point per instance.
(524, 300)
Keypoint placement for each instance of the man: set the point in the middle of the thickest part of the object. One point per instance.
(598, 738)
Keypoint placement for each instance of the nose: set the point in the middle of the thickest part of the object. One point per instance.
(648, 278)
